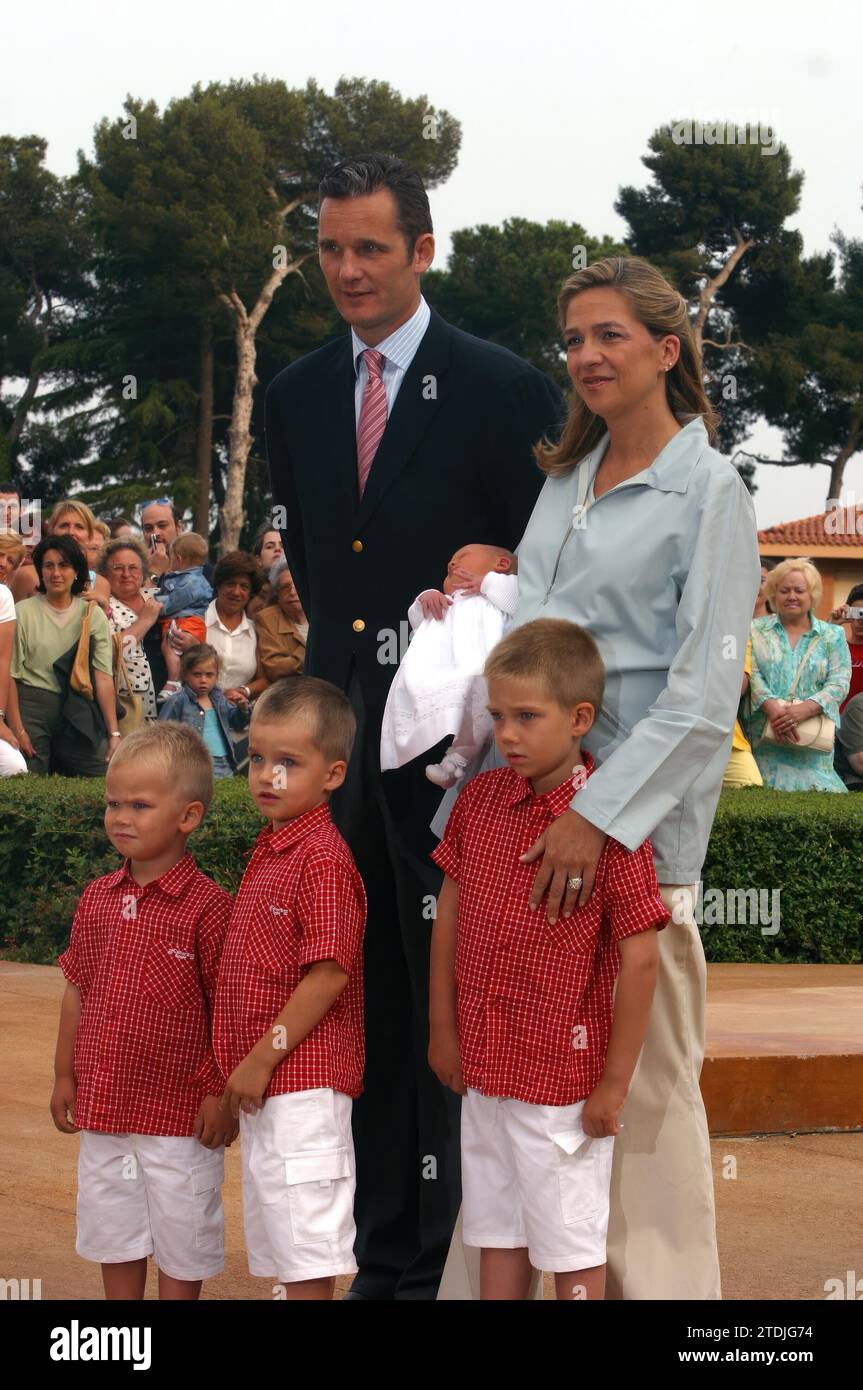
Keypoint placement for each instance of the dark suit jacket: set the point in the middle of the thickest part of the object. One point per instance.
(454, 465)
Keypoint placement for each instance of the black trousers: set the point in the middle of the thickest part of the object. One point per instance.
(406, 1124)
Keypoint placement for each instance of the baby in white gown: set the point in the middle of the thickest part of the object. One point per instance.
(439, 688)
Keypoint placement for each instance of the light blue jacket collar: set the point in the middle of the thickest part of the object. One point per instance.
(672, 469)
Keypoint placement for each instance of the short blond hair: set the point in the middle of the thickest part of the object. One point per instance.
(12, 544)
(560, 655)
(80, 509)
(190, 546)
(806, 568)
(178, 751)
(327, 710)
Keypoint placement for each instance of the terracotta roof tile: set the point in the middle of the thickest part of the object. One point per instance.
(842, 527)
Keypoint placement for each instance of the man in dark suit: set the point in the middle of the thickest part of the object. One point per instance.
(390, 448)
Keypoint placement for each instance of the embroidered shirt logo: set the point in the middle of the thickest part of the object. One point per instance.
(280, 911)
(180, 955)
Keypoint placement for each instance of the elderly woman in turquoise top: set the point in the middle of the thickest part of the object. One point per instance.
(646, 536)
(790, 645)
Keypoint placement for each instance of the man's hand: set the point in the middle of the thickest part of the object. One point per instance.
(158, 558)
(247, 1084)
(601, 1114)
(63, 1104)
(445, 1060)
(215, 1126)
(434, 603)
(840, 614)
(235, 696)
(7, 735)
(570, 848)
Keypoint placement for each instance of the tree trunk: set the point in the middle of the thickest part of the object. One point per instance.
(205, 432)
(708, 291)
(239, 438)
(246, 326)
(849, 448)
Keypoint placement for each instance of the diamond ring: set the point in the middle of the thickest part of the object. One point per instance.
(574, 881)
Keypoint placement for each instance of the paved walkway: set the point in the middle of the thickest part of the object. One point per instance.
(788, 1209)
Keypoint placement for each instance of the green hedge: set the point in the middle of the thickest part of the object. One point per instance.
(806, 845)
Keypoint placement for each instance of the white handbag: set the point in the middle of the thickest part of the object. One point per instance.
(816, 733)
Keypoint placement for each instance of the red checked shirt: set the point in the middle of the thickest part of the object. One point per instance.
(534, 1001)
(146, 962)
(301, 900)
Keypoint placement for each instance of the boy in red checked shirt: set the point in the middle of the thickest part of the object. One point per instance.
(134, 1066)
(521, 1013)
(288, 1028)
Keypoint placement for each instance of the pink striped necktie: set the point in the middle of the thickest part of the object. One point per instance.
(373, 416)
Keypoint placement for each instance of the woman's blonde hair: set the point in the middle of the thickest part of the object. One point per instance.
(12, 544)
(658, 306)
(807, 569)
(81, 510)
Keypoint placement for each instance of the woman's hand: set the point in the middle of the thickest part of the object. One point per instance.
(113, 745)
(434, 603)
(570, 848)
(24, 745)
(7, 735)
(180, 640)
(151, 608)
(235, 696)
(782, 721)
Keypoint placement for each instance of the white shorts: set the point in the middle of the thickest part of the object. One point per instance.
(532, 1178)
(150, 1194)
(299, 1178)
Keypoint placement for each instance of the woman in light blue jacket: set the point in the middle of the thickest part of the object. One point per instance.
(646, 536)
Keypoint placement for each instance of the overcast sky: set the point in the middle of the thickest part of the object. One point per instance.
(556, 100)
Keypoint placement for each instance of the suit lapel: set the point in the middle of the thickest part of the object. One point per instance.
(414, 409)
(338, 429)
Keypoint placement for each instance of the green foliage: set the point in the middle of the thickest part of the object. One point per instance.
(52, 843)
(701, 195)
(184, 207)
(501, 283)
(807, 845)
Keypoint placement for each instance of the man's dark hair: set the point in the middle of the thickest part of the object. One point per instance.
(854, 597)
(71, 551)
(9, 490)
(367, 173)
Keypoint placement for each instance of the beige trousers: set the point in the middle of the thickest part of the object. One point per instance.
(662, 1233)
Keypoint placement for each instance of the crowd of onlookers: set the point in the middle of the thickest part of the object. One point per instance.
(171, 635)
(105, 625)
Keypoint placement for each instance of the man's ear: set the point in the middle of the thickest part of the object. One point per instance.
(423, 253)
(503, 564)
